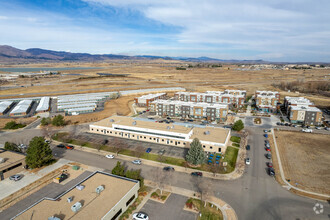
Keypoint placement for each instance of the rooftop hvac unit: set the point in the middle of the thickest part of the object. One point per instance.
(206, 132)
(99, 189)
(134, 123)
(53, 218)
(70, 199)
(111, 120)
(172, 126)
(80, 187)
(2, 160)
(76, 207)
(168, 128)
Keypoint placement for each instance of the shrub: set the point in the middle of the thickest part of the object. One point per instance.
(238, 125)
(12, 147)
(13, 125)
(235, 139)
(46, 121)
(154, 194)
(58, 120)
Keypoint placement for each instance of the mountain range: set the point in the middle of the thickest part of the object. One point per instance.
(9, 54)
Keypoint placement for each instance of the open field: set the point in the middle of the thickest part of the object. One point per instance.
(305, 159)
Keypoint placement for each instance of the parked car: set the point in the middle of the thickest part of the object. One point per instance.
(168, 168)
(148, 150)
(287, 124)
(60, 146)
(307, 130)
(327, 128)
(266, 135)
(168, 118)
(137, 162)
(110, 156)
(268, 156)
(265, 131)
(161, 152)
(271, 171)
(200, 174)
(278, 123)
(248, 147)
(269, 164)
(294, 126)
(16, 177)
(190, 120)
(247, 161)
(267, 149)
(182, 119)
(69, 147)
(318, 128)
(266, 141)
(140, 216)
(151, 118)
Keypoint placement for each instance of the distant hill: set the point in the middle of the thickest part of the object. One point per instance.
(10, 54)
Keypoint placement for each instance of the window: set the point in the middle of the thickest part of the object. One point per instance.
(117, 214)
(211, 147)
(150, 138)
(154, 139)
(130, 200)
(171, 142)
(110, 132)
(97, 129)
(178, 142)
(184, 143)
(92, 129)
(133, 135)
(162, 139)
(203, 146)
(11, 168)
(101, 130)
(144, 137)
(115, 132)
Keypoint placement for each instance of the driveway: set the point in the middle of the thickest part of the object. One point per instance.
(172, 209)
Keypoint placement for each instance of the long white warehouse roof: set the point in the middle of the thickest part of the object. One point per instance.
(43, 104)
(4, 105)
(21, 107)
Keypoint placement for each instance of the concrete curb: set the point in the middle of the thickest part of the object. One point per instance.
(288, 185)
(237, 173)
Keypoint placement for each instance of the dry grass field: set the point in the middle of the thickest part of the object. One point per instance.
(26, 121)
(305, 159)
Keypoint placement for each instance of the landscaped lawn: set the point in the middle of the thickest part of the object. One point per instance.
(235, 139)
(230, 158)
(208, 212)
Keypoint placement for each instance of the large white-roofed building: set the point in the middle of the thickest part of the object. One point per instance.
(4, 106)
(43, 105)
(213, 139)
(21, 108)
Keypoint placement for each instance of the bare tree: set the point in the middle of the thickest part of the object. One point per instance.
(139, 151)
(161, 177)
(203, 187)
(117, 145)
(215, 168)
(47, 131)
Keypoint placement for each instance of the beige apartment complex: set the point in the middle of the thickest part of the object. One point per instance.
(10, 163)
(233, 97)
(266, 101)
(145, 100)
(100, 196)
(212, 139)
(209, 111)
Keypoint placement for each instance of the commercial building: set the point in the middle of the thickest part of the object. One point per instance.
(302, 111)
(22, 108)
(100, 196)
(10, 163)
(208, 111)
(5, 106)
(144, 100)
(234, 97)
(213, 139)
(43, 105)
(266, 101)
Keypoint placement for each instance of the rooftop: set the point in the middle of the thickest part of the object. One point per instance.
(10, 158)
(151, 96)
(94, 206)
(43, 104)
(211, 134)
(192, 104)
(21, 107)
(4, 105)
(305, 108)
(299, 100)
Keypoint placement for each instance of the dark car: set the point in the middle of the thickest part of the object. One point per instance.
(151, 118)
(167, 122)
(69, 147)
(168, 168)
(168, 118)
(200, 174)
(161, 121)
(268, 156)
(286, 124)
(148, 150)
(248, 147)
(16, 177)
(271, 171)
(60, 146)
(266, 141)
(266, 135)
(278, 123)
(190, 120)
(182, 119)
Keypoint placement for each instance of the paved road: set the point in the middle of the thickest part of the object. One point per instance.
(253, 196)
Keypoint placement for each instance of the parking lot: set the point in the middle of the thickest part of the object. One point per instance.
(171, 209)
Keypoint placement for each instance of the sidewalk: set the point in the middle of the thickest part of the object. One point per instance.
(238, 172)
(227, 211)
(8, 187)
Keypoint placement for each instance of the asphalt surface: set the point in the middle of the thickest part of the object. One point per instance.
(253, 196)
(171, 209)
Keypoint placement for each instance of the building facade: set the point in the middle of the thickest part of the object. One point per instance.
(213, 139)
(144, 100)
(233, 97)
(172, 108)
(266, 101)
(10, 163)
(302, 111)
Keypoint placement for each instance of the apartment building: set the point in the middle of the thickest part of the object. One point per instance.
(266, 101)
(172, 108)
(302, 111)
(144, 100)
(213, 139)
(234, 97)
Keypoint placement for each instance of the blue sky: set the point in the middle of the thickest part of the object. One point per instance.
(281, 30)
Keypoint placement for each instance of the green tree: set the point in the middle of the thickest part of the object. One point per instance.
(58, 120)
(46, 121)
(13, 125)
(238, 125)
(12, 147)
(196, 154)
(119, 169)
(39, 153)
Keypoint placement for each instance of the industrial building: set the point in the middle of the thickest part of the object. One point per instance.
(302, 111)
(266, 101)
(22, 108)
(145, 100)
(5, 106)
(233, 97)
(99, 196)
(43, 105)
(213, 139)
(10, 163)
(209, 111)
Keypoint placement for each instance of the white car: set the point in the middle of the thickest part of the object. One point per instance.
(247, 161)
(110, 156)
(307, 130)
(140, 216)
(137, 162)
